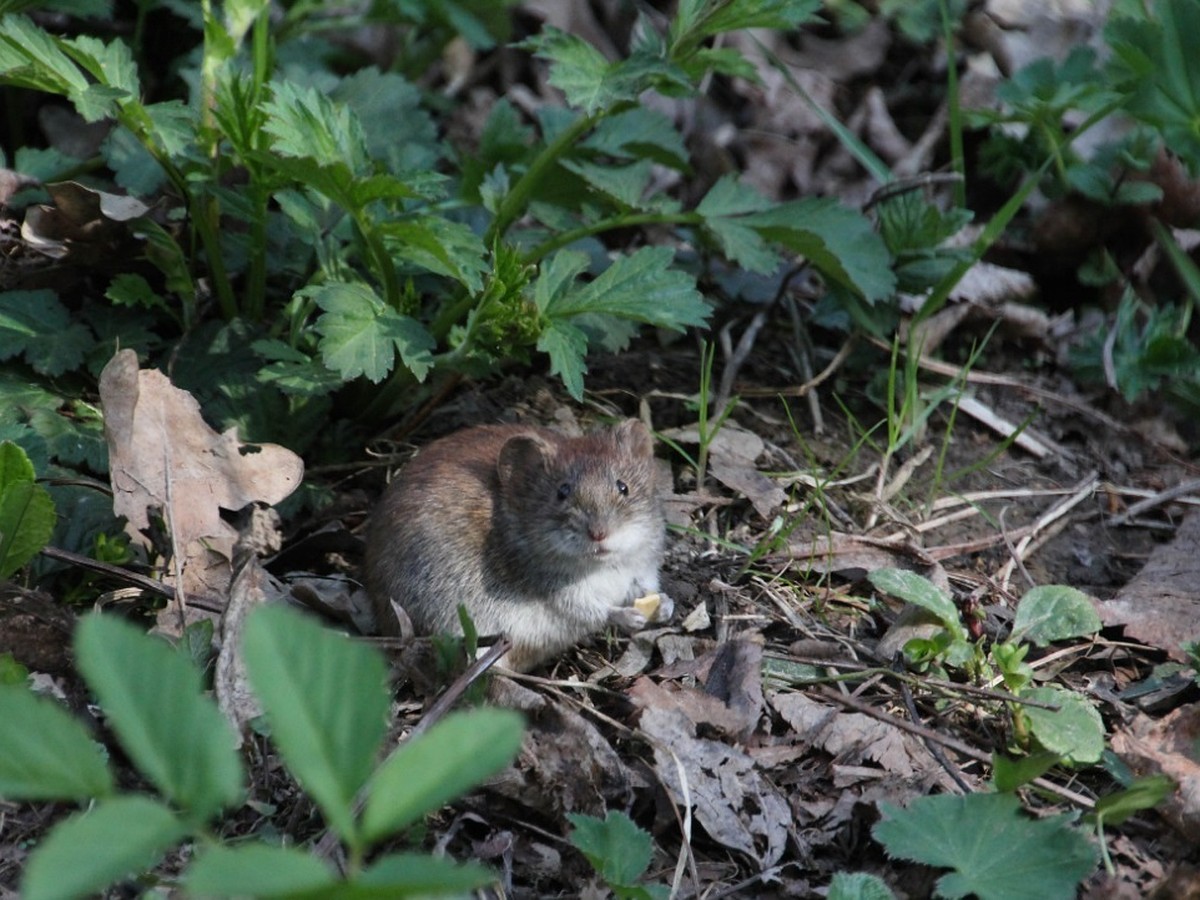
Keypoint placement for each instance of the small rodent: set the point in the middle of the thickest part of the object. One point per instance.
(542, 537)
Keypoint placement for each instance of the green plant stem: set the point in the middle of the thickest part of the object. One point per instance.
(957, 154)
(517, 199)
(544, 249)
(384, 267)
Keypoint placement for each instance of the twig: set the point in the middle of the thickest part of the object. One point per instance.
(1159, 499)
(85, 562)
(1083, 490)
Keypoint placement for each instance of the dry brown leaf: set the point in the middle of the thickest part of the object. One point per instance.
(853, 737)
(731, 456)
(163, 456)
(1167, 746)
(732, 800)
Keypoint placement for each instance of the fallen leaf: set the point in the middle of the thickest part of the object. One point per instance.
(1167, 746)
(162, 455)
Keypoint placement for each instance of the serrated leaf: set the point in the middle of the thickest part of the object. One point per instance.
(361, 335)
(642, 287)
(1074, 731)
(256, 870)
(566, 346)
(395, 127)
(36, 325)
(626, 184)
(1055, 612)
(615, 846)
(920, 591)
(577, 68)
(294, 372)
(89, 851)
(997, 853)
(153, 698)
(45, 754)
(134, 291)
(640, 133)
(306, 124)
(555, 277)
(430, 770)
(326, 702)
(439, 245)
(110, 64)
(839, 241)
(858, 886)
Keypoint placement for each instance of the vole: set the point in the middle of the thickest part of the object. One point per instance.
(542, 537)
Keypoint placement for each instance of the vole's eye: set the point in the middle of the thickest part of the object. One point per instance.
(564, 491)
(622, 488)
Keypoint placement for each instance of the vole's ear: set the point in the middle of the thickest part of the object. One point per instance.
(523, 453)
(632, 435)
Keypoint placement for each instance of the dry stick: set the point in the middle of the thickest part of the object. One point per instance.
(801, 389)
(931, 746)
(735, 358)
(953, 743)
(84, 562)
(1081, 492)
(1159, 499)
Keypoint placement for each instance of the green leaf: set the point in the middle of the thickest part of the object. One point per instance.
(37, 325)
(642, 287)
(1010, 774)
(256, 870)
(556, 276)
(996, 852)
(615, 846)
(26, 511)
(86, 853)
(577, 68)
(306, 124)
(361, 335)
(858, 886)
(640, 133)
(919, 591)
(1145, 793)
(624, 183)
(726, 200)
(153, 698)
(294, 372)
(567, 346)
(416, 875)
(1054, 612)
(44, 753)
(439, 245)
(326, 702)
(840, 242)
(1075, 731)
(428, 771)
(395, 127)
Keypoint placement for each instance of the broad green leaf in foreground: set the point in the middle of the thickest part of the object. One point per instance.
(920, 591)
(859, 886)
(256, 870)
(45, 754)
(361, 335)
(325, 700)
(428, 771)
(997, 853)
(1074, 731)
(153, 698)
(89, 851)
(417, 875)
(1055, 612)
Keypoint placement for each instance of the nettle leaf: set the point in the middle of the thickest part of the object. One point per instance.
(726, 200)
(110, 64)
(640, 133)
(306, 124)
(642, 287)
(293, 371)
(29, 57)
(567, 346)
(1055, 612)
(439, 245)
(626, 184)
(45, 754)
(36, 325)
(698, 19)
(1074, 731)
(395, 127)
(556, 277)
(997, 853)
(840, 242)
(361, 335)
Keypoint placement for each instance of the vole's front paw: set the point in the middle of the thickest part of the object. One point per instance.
(666, 609)
(627, 618)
